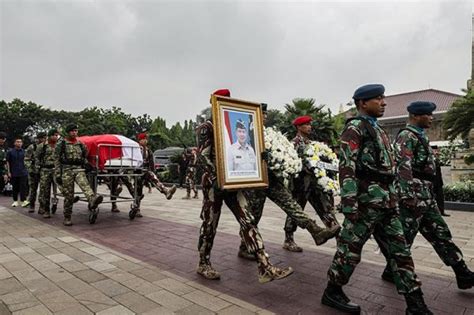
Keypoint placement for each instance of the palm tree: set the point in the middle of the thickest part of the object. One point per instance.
(459, 119)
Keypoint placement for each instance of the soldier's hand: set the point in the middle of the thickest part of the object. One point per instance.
(353, 216)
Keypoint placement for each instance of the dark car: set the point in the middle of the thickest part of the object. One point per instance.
(162, 157)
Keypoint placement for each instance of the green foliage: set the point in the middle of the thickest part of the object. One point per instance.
(447, 153)
(459, 119)
(469, 159)
(275, 118)
(460, 191)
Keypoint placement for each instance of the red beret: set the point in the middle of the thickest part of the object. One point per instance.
(302, 120)
(222, 92)
(142, 136)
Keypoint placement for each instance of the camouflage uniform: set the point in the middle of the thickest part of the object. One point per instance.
(150, 176)
(305, 189)
(33, 173)
(237, 201)
(71, 157)
(368, 200)
(45, 158)
(416, 171)
(191, 175)
(3, 166)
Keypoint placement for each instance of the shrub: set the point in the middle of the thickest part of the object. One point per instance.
(460, 191)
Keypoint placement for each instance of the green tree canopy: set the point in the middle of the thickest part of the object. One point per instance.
(459, 119)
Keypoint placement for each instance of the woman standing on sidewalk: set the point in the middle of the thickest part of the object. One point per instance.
(17, 173)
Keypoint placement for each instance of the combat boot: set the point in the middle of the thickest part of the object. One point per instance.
(41, 210)
(387, 274)
(244, 253)
(32, 207)
(267, 272)
(46, 215)
(76, 199)
(115, 209)
(335, 297)
(67, 221)
(206, 270)
(321, 235)
(170, 192)
(464, 276)
(416, 304)
(290, 244)
(196, 196)
(95, 202)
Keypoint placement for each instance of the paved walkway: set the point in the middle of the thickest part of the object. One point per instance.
(148, 266)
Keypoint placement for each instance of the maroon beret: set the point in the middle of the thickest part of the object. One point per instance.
(302, 120)
(222, 92)
(142, 136)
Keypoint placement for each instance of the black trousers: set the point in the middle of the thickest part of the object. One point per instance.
(20, 186)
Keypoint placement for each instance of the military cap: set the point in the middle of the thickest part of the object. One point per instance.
(421, 108)
(301, 120)
(52, 131)
(3, 135)
(264, 107)
(368, 91)
(240, 124)
(142, 136)
(40, 135)
(71, 127)
(222, 92)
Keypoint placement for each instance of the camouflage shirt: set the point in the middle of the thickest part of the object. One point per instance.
(412, 157)
(148, 162)
(300, 143)
(361, 152)
(205, 149)
(70, 154)
(30, 158)
(45, 155)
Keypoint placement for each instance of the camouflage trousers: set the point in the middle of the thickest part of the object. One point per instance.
(149, 177)
(114, 182)
(190, 180)
(428, 221)
(46, 182)
(384, 223)
(305, 189)
(69, 177)
(33, 183)
(213, 199)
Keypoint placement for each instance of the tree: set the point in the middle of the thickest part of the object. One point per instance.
(275, 118)
(459, 119)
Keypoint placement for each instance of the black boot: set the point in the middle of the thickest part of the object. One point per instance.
(387, 274)
(416, 304)
(464, 276)
(336, 298)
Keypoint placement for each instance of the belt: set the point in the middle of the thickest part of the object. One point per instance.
(376, 176)
(423, 176)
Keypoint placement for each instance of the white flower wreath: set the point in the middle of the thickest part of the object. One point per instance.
(319, 158)
(283, 160)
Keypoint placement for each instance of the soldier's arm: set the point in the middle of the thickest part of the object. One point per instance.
(57, 159)
(404, 147)
(29, 152)
(351, 140)
(37, 154)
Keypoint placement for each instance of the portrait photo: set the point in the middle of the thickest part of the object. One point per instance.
(239, 143)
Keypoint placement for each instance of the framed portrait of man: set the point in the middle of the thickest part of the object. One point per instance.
(238, 142)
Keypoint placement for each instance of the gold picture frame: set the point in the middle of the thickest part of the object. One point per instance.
(239, 143)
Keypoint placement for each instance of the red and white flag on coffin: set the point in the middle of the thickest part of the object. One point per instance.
(112, 150)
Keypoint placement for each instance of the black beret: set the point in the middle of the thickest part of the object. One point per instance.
(421, 108)
(264, 107)
(41, 134)
(368, 91)
(240, 124)
(52, 131)
(3, 135)
(71, 127)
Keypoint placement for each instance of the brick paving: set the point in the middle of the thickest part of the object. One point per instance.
(147, 266)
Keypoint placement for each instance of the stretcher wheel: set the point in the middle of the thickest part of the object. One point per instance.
(93, 216)
(132, 213)
(54, 208)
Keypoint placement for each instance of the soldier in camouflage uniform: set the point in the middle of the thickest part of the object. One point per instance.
(190, 181)
(236, 200)
(45, 157)
(149, 173)
(33, 169)
(305, 188)
(419, 212)
(3, 161)
(70, 164)
(368, 197)
(282, 197)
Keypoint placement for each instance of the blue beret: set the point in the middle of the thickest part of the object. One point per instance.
(366, 92)
(421, 108)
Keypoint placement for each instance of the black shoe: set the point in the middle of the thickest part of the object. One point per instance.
(464, 276)
(387, 275)
(334, 297)
(445, 214)
(416, 304)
